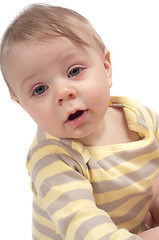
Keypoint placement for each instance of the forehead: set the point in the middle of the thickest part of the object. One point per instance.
(59, 46)
(34, 48)
(56, 48)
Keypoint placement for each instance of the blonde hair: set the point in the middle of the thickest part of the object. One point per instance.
(41, 20)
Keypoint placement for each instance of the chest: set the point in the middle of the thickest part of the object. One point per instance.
(122, 185)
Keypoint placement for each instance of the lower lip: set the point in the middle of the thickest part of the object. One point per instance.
(79, 120)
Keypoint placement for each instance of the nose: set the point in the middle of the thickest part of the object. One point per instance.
(64, 95)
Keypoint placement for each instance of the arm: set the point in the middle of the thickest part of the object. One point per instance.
(71, 206)
(152, 219)
(151, 234)
(63, 186)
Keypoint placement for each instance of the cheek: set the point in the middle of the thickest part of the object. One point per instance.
(99, 101)
(38, 113)
(100, 91)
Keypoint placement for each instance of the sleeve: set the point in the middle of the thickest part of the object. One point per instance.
(67, 196)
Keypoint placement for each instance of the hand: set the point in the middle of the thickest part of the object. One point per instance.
(149, 221)
(151, 234)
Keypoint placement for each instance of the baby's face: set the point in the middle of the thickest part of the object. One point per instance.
(64, 87)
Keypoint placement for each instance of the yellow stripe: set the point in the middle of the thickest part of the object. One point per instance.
(126, 207)
(38, 201)
(121, 235)
(44, 151)
(136, 187)
(124, 168)
(73, 206)
(154, 119)
(82, 150)
(121, 193)
(131, 166)
(100, 231)
(60, 190)
(81, 217)
(147, 118)
(130, 116)
(39, 235)
(51, 170)
(49, 136)
(78, 146)
(134, 107)
(44, 221)
(134, 222)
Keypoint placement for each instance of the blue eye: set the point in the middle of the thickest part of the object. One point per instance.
(40, 90)
(74, 72)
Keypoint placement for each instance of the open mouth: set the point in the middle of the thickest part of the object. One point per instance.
(77, 118)
(75, 115)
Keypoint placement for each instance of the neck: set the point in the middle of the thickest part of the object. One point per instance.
(101, 134)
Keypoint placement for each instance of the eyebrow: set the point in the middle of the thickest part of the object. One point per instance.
(70, 54)
(30, 76)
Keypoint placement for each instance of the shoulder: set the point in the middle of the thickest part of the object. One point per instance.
(48, 148)
(137, 112)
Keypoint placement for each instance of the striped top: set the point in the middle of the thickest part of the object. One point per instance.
(104, 192)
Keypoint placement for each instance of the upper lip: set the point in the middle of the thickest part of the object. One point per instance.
(72, 112)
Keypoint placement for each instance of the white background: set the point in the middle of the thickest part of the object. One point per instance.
(130, 30)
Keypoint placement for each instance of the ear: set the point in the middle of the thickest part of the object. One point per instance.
(14, 98)
(108, 66)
